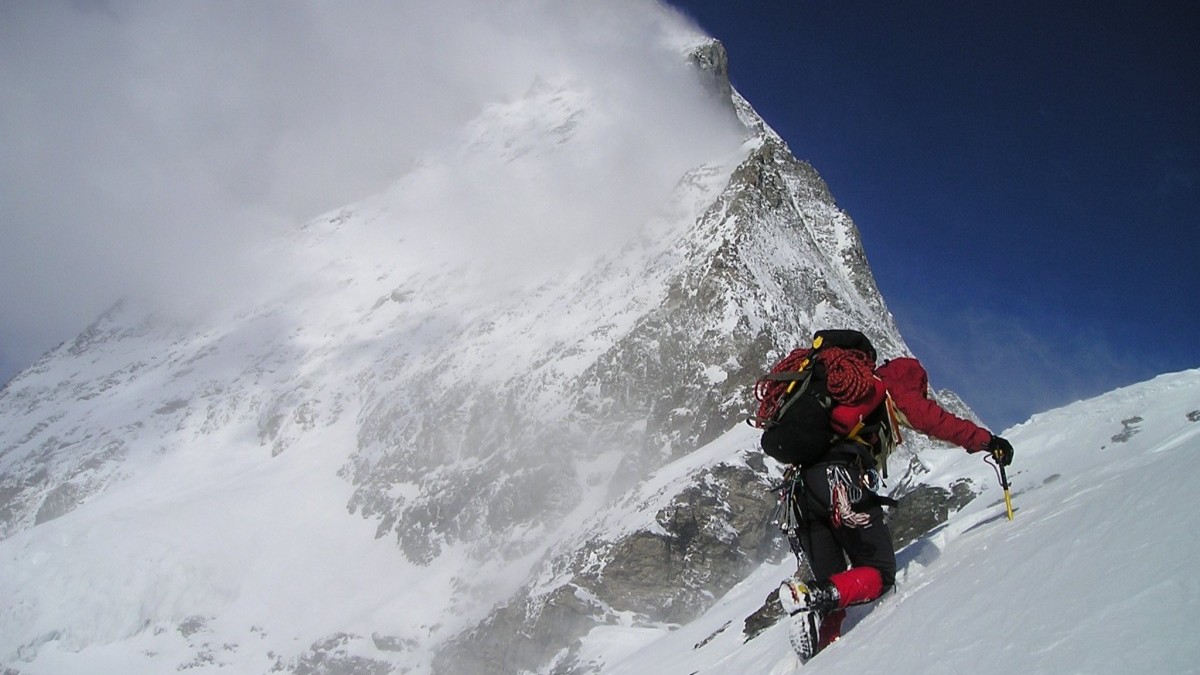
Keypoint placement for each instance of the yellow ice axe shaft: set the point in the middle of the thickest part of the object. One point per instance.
(1007, 493)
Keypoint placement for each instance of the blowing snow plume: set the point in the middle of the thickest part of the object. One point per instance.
(151, 148)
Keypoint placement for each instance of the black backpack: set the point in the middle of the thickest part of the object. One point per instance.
(794, 401)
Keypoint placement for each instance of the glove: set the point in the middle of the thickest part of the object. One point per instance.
(1000, 450)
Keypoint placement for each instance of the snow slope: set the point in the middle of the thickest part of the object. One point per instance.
(1093, 575)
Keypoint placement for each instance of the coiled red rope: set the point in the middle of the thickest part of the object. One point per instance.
(849, 374)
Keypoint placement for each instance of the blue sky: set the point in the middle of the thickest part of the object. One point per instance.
(1026, 176)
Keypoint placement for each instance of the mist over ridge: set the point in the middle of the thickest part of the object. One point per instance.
(154, 150)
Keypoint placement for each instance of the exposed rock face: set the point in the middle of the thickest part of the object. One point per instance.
(706, 538)
(768, 615)
(331, 657)
(712, 61)
(926, 507)
(50, 464)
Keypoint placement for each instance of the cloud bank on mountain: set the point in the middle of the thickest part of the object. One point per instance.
(150, 148)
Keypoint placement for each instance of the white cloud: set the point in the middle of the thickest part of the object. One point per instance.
(147, 146)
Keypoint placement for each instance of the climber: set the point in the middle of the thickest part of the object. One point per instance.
(842, 516)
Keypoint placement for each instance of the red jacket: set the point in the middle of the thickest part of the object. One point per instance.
(908, 383)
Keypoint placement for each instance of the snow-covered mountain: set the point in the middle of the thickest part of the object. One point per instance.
(376, 450)
(487, 420)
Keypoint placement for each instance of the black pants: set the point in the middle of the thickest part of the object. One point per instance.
(833, 549)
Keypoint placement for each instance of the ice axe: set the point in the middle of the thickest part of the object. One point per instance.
(1003, 476)
(1007, 492)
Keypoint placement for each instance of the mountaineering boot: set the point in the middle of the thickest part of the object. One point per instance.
(805, 634)
(796, 596)
(808, 603)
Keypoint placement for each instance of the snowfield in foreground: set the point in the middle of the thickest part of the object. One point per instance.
(1093, 575)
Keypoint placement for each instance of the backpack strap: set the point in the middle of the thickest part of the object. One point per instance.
(787, 376)
(806, 377)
